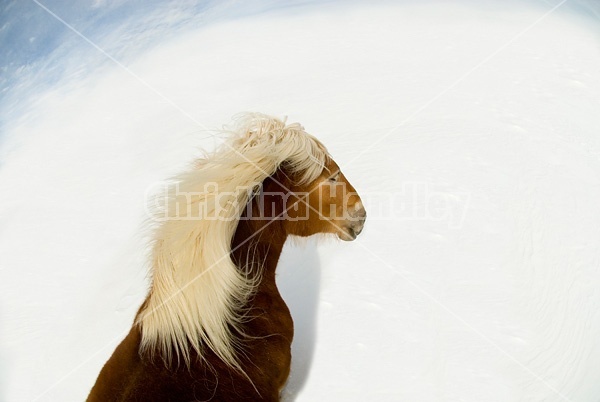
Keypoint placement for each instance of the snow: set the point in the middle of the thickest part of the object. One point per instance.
(470, 131)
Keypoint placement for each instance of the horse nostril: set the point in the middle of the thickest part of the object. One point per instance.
(357, 210)
(359, 213)
(362, 213)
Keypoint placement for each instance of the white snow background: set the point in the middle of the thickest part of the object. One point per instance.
(471, 130)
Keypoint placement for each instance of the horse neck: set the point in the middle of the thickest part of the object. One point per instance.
(258, 245)
(259, 241)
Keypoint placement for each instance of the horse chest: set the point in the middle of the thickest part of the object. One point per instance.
(272, 329)
(271, 316)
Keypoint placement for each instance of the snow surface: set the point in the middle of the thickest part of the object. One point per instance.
(471, 132)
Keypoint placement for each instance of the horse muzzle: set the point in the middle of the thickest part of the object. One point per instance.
(355, 223)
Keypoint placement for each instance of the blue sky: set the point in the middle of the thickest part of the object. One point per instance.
(31, 36)
(38, 50)
(28, 33)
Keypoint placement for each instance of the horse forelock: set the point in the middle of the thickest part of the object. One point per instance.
(198, 294)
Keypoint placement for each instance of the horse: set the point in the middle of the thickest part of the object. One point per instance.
(214, 326)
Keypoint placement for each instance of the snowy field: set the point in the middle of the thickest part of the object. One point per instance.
(471, 130)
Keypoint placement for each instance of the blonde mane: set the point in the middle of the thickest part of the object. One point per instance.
(198, 294)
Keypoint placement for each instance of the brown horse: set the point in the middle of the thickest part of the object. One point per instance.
(214, 326)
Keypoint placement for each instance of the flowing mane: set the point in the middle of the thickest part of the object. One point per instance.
(198, 294)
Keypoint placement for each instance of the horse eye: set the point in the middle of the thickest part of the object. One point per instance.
(333, 179)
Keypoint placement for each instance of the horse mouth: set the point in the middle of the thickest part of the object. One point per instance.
(350, 233)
